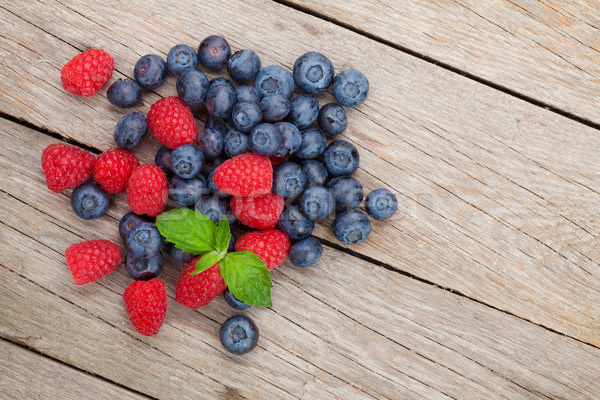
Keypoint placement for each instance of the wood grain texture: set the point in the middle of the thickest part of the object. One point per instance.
(497, 197)
(544, 49)
(345, 328)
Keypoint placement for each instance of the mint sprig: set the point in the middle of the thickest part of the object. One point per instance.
(243, 272)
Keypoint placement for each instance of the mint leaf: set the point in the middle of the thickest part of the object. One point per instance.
(247, 278)
(188, 230)
(223, 236)
(208, 260)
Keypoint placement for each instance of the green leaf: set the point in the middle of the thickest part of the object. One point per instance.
(188, 230)
(247, 278)
(223, 236)
(206, 261)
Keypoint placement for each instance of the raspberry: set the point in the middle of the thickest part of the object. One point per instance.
(272, 246)
(66, 166)
(245, 175)
(147, 190)
(92, 260)
(146, 303)
(261, 212)
(113, 168)
(172, 122)
(87, 72)
(195, 291)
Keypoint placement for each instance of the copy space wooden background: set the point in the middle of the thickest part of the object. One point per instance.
(483, 118)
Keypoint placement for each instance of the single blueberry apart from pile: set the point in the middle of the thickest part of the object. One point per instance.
(351, 227)
(239, 334)
(306, 252)
(381, 204)
(243, 65)
(304, 111)
(246, 115)
(186, 191)
(131, 130)
(192, 87)
(316, 173)
(236, 143)
(128, 222)
(341, 158)
(220, 100)
(313, 144)
(274, 80)
(275, 107)
(187, 160)
(143, 269)
(291, 138)
(210, 142)
(350, 88)
(295, 224)
(332, 119)
(234, 302)
(150, 71)
(124, 93)
(180, 58)
(265, 140)
(163, 159)
(213, 52)
(288, 180)
(313, 72)
(316, 203)
(144, 240)
(246, 93)
(180, 256)
(89, 201)
(347, 192)
(215, 208)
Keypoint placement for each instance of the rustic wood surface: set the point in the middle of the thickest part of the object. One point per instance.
(484, 286)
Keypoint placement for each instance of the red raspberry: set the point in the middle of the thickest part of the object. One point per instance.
(195, 291)
(87, 72)
(89, 261)
(172, 122)
(113, 168)
(271, 246)
(146, 304)
(245, 175)
(147, 190)
(261, 212)
(66, 166)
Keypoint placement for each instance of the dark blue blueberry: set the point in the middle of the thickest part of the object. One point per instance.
(180, 58)
(306, 252)
(232, 241)
(180, 256)
(89, 201)
(234, 302)
(294, 223)
(316, 173)
(236, 143)
(150, 71)
(313, 144)
(213, 52)
(128, 222)
(246, 93)
(246, 115)
(144, 240)
(351, 227)
(163, 159)
(221, 81)
(304, 111)
(332, 119)
(187, 161)
(192, 86)
(288, 180)
(243, 65)
(347, 192)
(131, 130)
(350, 88)
(209, 166)
(239, 335)
(124, 93)
(186, 191)
(316, 203)
(275, 107)
(341, 158)
(220, 100)
(313, 72)
(215, 208)
(381, 204)
(291, 138)
(218, 124)
(144, 269)
(211, 142)
(274, 80)
(265, 140)
(213, 188)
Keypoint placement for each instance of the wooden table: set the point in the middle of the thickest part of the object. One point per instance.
(483, 118)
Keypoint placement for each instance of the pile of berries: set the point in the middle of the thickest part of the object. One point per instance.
(262, 159)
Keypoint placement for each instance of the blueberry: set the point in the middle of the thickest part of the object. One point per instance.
(89, 201)
(316, 202)
(236, 143)
(232, 241)
(144, 269)
(209, 165)
(381, 204)
(313, 72)
(150, 71)
(212, 188)
(128, 222)
(187, 160)
(341, 158)
(265, 140)
(246, 93)
(347, 192)
(213, 52)
(304, 111)
(274, 107)
(192, 86)
(246, 115)
(274, 80)
(144, 240)
(291, 138)
(351, 227)
(306, 252)
(186, 191)
(234, 302)
(215, 208)
(131, 130)
(313, 144)
(243, 65)
(163, 159)
(218, 124)
(221, 81)
(350, 88)
(294, 223)
(288, 180)
(332, 119)
(220, 99)
(316, 173)
(180, 58)
(210, 142)
(124, 93)
(239, 334)
(180, 256)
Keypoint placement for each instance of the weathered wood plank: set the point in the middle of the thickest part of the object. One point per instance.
(546, 50)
